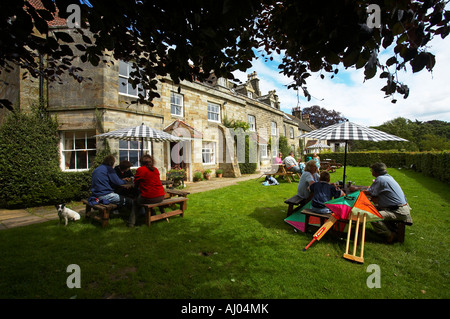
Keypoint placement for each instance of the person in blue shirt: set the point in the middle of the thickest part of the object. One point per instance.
(323, 191)
(390, 200)
(104, 181)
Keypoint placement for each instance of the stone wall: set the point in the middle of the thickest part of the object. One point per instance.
(80, 106)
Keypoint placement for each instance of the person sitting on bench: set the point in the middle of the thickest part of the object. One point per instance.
(323, 192)
(104, 181)
(151, 190)
(308, 177)
(291, 164)
(390, 199)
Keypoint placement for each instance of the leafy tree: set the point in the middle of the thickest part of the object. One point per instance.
(187, 40)
(317, 37)
(321, 117)
(431, 142)
(422, 136)
(284, 146)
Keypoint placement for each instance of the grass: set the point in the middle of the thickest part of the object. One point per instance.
(232, 243)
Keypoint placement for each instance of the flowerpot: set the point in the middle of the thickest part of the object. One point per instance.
(208, 177)
(219, 175)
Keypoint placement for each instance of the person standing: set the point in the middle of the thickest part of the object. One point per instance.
(390, 200)
(151, 190)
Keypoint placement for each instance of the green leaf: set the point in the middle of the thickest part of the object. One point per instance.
(63, 36)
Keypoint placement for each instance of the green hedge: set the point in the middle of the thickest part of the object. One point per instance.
(247, 167)
(433, 164)
(29, 163)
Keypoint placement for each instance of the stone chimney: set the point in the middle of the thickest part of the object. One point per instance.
(297, 112)
(254, 82)
(306, 119)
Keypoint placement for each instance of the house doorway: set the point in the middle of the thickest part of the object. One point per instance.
(180, 156)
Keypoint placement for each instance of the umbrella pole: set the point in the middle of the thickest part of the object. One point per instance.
(345, 162)
(142, 148)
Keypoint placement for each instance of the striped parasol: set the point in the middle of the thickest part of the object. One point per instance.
(319, 145)
(348, 131)
(140, 133)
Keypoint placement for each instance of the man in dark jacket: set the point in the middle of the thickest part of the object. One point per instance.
(104, 180)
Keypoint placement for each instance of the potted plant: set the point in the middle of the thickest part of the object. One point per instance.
(207, 174)
(177, 175)
(197, 176)
(219, 172)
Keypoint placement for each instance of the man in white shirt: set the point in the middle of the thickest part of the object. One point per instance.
(291, 164)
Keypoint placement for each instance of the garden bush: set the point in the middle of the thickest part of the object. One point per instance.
(433, 164)
(247, 167)
(29, 163)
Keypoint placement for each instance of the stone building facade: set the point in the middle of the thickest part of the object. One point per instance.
(196, 111)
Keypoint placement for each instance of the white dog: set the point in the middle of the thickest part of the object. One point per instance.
(66, 213)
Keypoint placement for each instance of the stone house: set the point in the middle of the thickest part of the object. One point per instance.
(196, 111)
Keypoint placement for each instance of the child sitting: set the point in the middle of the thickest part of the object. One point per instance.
(323, 192)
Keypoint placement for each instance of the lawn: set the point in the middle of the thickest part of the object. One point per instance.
(232, 243)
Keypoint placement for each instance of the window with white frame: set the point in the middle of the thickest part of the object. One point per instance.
(176, 104)
(208, 152)
(274, 128)
(249, 94)
(131, 151)
(263, 150)
(291, 132)
(252, 123)
(213, 112)
(78, 150)
(126, 88)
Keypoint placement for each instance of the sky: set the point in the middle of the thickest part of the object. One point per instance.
(363, 102)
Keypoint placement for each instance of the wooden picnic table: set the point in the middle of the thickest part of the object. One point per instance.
(281, 171)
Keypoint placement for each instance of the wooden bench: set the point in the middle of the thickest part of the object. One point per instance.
(174, 200)
(400, 225)
(283, 172)
(295, 201)
(322, 217)
(99, 212)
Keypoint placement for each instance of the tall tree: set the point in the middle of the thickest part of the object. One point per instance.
(321, 117)
(421, 136)
(187, 40)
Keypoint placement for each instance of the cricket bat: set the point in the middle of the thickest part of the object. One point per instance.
(322, 230)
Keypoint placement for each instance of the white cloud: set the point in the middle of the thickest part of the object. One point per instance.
(365, 103)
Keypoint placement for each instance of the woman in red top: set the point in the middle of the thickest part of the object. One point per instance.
(148, 182)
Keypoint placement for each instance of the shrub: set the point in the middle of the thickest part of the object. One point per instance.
(247, 167)
(29, 163)
(433, 164)
(198, 176)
